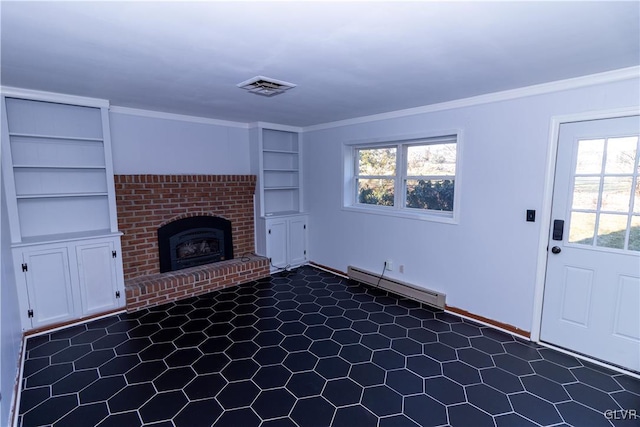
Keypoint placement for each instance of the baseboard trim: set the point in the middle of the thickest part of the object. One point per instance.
(329, 269)
(505, 327)
(489, 322)
(51, 328)
(15, 399)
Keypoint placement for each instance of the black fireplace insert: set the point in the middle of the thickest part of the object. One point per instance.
(193, 241)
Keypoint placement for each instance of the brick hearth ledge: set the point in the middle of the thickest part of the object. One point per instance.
(156, 289)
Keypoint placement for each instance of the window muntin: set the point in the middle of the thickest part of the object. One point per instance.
(416, 176)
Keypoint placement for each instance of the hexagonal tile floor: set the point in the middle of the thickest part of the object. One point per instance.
(308, 348)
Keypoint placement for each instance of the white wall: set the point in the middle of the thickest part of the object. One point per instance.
(486, 264)
(155, 145)
(10, 330)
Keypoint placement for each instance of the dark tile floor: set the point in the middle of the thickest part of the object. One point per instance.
(309, 349)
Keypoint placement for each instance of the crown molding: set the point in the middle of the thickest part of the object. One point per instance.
(60, 98)
(179, 117)
(556, 86)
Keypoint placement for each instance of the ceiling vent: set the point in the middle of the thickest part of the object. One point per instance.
(265, 86)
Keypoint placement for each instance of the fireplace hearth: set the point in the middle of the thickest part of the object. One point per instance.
(193, 241)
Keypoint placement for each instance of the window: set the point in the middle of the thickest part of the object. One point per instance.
(406, 177)
(605, 203)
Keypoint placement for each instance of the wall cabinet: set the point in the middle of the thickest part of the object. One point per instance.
(58, 183)
(68, 280)
(285, 241)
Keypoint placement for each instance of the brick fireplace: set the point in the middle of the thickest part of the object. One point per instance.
(147, 202)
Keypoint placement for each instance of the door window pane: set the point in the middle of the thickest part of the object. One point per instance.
(582, 228)
(376, 191)
(612, 231)
(621, 155)
(636, 207)
(585, 193)
(590, 153)
(616, 194)
(634, 234)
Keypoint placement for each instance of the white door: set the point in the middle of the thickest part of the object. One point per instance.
(97, 274)
(592, 289)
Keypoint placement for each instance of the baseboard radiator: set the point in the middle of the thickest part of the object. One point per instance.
(427, 296)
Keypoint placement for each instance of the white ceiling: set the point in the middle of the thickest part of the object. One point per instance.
(349, 59)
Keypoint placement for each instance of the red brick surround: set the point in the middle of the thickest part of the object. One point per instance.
(146, 202)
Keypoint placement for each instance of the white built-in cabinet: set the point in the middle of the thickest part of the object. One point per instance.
(58, 182)
(69, 279)
(285, 240)
(281, 226)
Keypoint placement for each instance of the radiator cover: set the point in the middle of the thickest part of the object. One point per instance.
(427, 296)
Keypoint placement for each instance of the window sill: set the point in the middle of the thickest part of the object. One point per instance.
(431, 217)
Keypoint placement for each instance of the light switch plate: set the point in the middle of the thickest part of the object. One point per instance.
(531, 215)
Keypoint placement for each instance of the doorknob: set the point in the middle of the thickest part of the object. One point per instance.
(556, 249)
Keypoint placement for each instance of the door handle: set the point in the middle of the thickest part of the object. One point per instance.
(556, 250)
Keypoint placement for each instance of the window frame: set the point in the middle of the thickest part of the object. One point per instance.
(399, 209)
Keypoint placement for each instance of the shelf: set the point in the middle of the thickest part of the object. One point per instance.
(282, 188)
(281, 170)
(55, 137)
(56, 167)
(280, 151)
(66, 237)
(281, 214)
(58, 195)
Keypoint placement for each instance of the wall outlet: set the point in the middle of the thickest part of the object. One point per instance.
(401, 268)
(389, 264)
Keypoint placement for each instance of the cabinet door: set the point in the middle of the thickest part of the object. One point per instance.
(97, 275)
(277, 243)
(297, 241)
(49, 286)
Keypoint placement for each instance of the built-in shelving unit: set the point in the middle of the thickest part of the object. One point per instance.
(58, 183)
(60, 173)
(280, 223)
(280, 172)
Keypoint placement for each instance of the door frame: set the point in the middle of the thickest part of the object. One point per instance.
(547, 202)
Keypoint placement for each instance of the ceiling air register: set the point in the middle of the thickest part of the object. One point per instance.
(265, 86)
